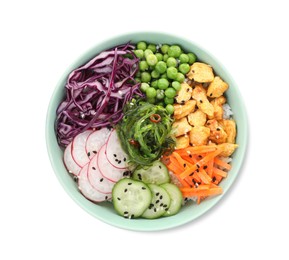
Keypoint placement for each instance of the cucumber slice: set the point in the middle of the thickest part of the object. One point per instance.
(159, 204)
(176, 198)
(131, 198)
(157, 173)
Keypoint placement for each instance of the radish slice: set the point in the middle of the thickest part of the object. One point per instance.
(96, 179)
(78, 148)
(87, 190)
(107, 169)
(95, 140)
(114, 152)
(70, 164)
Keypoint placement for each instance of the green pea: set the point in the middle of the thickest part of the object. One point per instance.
(162, 104)
(163, 83)
(159, 56)
(184, 68)
(174, 51)
(161, 67)
(172, 62)
(151, 100)
(165, 57)
(144, 86)
(164, 76)
(147, 52)
(154, 83)
(169, 100)
(184, 58)
(176, 85)
(165, 48)
(145, 77)
(152, 47)
(172, 72)
(160, 94)
(139, 53)
(192, 58)
(141, 46)
(151, 59)
(151, 92)
(138, 74)
(155, 74)
(170, 92)
(143, 65)
(170, 109)
(180, 77)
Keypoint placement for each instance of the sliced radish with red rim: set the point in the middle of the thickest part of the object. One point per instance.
(87, 189)
(69, 162)
(96, 179)
(107, 169)
(114, 152)
(96, 140)
(78, 148)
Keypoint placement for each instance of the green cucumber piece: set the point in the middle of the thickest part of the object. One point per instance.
(131, 198)
(160, 202)
(157, 173)
(176, 198)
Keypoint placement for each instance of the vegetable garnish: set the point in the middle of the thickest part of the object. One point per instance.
(137, 126)
(97, 92)
(155, 118)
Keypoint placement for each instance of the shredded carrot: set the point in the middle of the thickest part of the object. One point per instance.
(199, 169)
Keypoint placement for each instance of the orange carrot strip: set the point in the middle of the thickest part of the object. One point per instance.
(206, 179)
(175, 169)
(223, 164)
(190, 192)
(197, 149)
(219, 172)
(200, 163)
(210, 165)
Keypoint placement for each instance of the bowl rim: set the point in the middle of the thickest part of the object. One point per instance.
(171, 224)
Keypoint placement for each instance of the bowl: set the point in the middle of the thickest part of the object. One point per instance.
(105, 211)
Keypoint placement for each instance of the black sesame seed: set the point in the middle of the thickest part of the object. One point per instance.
(143, 188)
(139, 176)
(116, 160)
(157, 194)
(95, 152)
(101, 180)
(185, 165)
(197, 170)
(201, 101)
(151, 206)
(93, 168)
(214, 179)
(88, 154)
(161, 196)
(124, 159)
(118, 198)
(200, 156)
(166, 209)
(205, 167)
(106, 197)
(157, 201)
(218, 129)
(211, 94)
(125, 190)
(191, 174)
(160, 166)
(188, 89)
(114, 155)
(198, 165)
(190, 156)
(155, 210)
(132, 215)
(130, 183)
(165, 205)
(125, 213)
(161, 204)
(119, 162)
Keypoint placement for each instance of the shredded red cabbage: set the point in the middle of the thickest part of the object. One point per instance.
(97, 92)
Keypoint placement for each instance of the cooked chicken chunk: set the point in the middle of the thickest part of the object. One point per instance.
(230, 129)
(201, 72)
(217, 132)
(181, 127)
(227, 149)
(217, 87)
(183, 110)
(199, 94)
(184, 94)
(218, 107)
(182, 142)
(199, 135)
(197, 118)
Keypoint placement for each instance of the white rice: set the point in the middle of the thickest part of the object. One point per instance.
(227, 111)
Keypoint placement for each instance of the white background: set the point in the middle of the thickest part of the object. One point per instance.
(39, 39)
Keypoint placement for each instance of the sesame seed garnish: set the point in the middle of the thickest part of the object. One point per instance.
(95, 152)
(157, 201)
(114, 155)
(125, 190)
(88, 154)
(101, 180)
(93, 168)
(143, 188)
(130, 183)
(118, 198)
(161, 196)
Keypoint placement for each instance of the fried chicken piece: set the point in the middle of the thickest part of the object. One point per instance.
(227, 149)
(218, 107)
(184, 94)
(217, 88)
(182, 142)
(201, 72)
(181, 127)
(217, 132)
(230, 129)
(199, 135)
(197, 118)
(183, 110)
(199, 94)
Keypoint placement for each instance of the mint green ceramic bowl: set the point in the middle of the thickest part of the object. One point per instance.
(105, 211)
